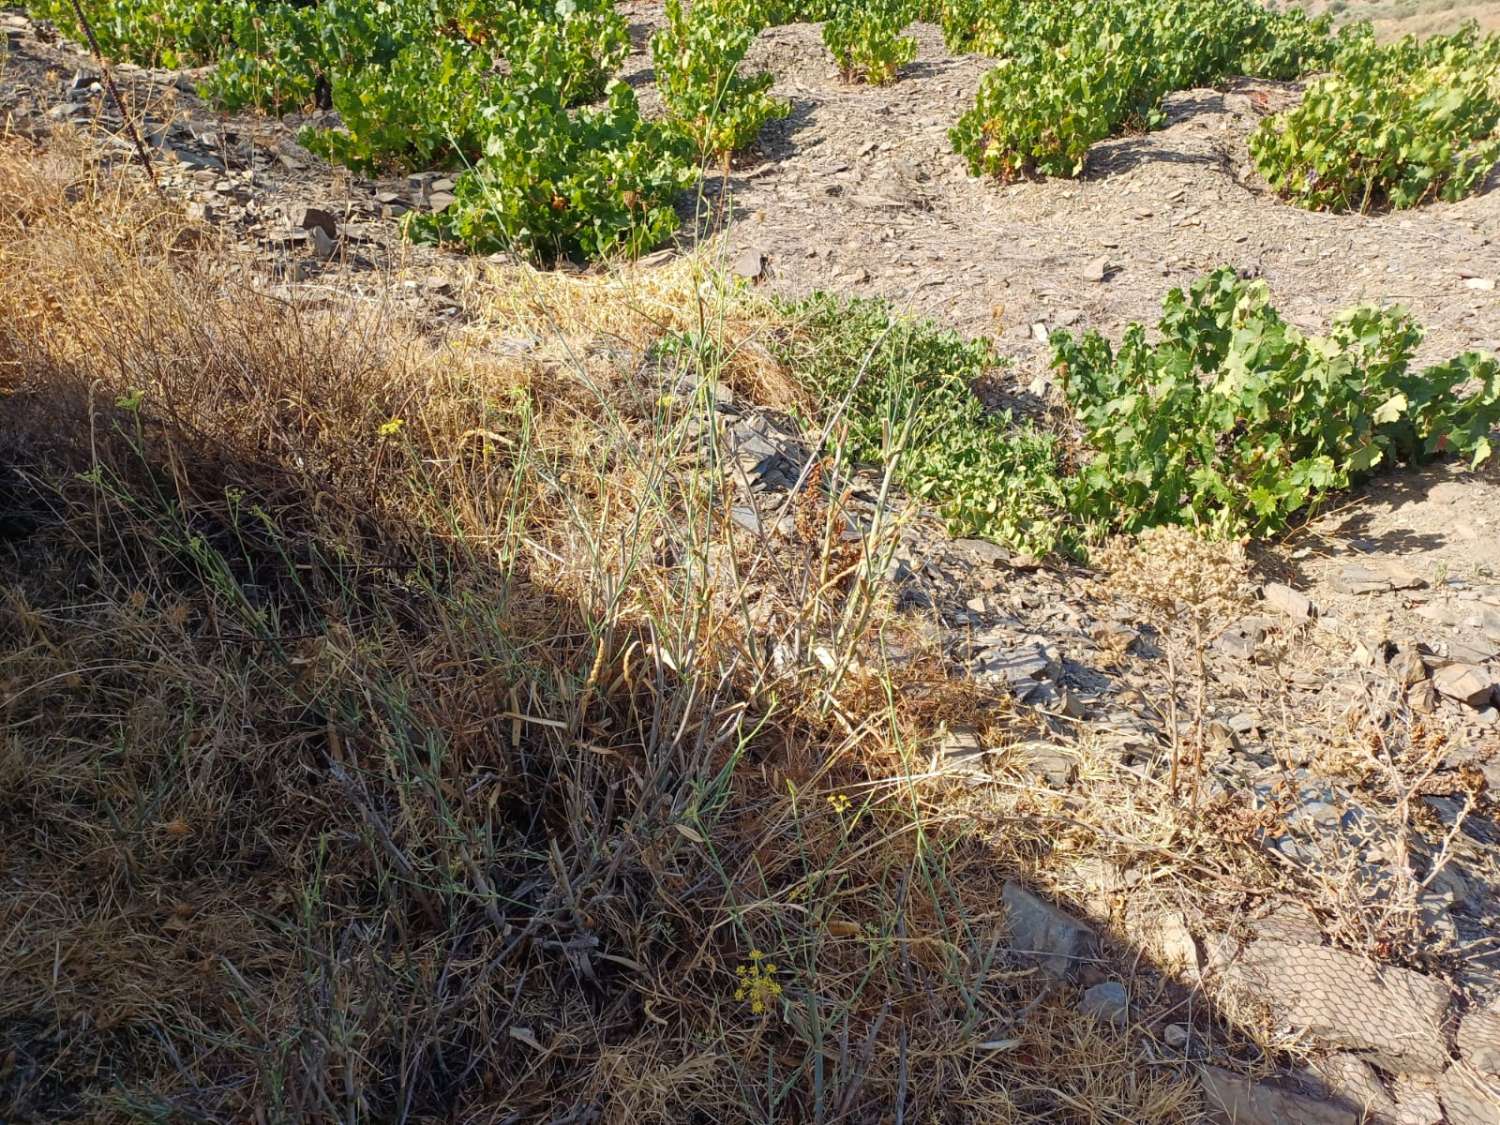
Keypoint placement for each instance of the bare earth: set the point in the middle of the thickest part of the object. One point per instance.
(860, 192)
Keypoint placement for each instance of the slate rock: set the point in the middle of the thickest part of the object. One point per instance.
(1293, 603)
(1055, 765)
(1407, 667)
(1044, 935)
(316, 218)
(1021, 667)
(983, 551)
(1469, 1098)
(750, 264)
(1107, 1002)
(1467, 683)
(1235, 1100)
(1479, 1039)
(1393, 1017)
(324, 246)
(1354, 1082)
(1377, 577)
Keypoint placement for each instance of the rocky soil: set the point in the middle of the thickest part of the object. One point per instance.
(1380, 963)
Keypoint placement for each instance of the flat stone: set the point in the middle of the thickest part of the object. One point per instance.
(1467, 683)
(1242, 723)
(1416, 1101)
(1107, 1002)
(983, 551)
(1055, 765)
(1242, 639)
(1235, 1100)
(750, 264)
(1293, 603)
(1352, 1081)
(1377, 577)
(1020, 667)
(1096, 270)
(440, 201)
(1044, 935)
(1468, 1099)
(323, 244)
(1462, 652)
(1172, 942)
(961, 743)
(1407, 667)
(1422, 697)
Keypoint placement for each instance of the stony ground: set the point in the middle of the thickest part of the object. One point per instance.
(1389, 604)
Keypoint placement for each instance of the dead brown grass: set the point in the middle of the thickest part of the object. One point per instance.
(378, 744)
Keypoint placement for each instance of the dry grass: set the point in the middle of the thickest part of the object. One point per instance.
(380, 744)
(393, 727)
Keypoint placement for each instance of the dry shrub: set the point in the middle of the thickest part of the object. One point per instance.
(374, 749)
(635, 306)
(1190, 587)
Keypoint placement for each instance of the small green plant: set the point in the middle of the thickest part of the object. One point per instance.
(695, 56)
(586, 183)
(1235, 421)
(904, 390)
(864, 37)
(418, 87)
(430, 105)
(1289, 43)
(1394, 128)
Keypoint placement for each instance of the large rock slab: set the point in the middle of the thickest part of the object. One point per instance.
(1394, 1018)
(1235, 1100)
(1479, 1039)
(1469, 1098)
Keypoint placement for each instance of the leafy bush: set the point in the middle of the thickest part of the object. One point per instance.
(695, 56)
(590, 183)
(907, 385)
(1041, 114)
(1289, 43)
(1072, 74)
(1395, 127)
(1236, 420)
(167, 33)
(419, 87)
(864, 37)
(275, 62)
(431, 104)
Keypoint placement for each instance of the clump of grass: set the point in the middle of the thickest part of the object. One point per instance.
(905, 382)
(1190, 587)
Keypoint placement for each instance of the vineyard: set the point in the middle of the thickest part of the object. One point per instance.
(556, 157)
(714, 561)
